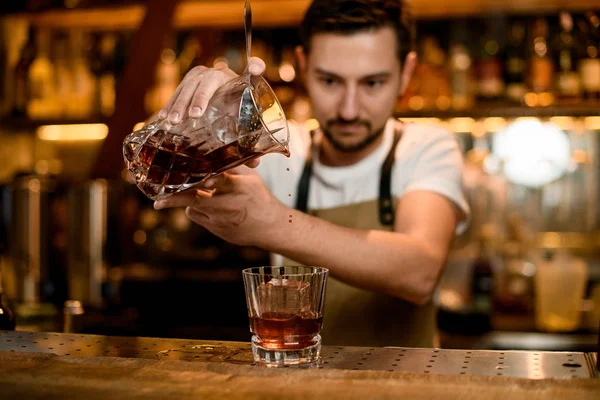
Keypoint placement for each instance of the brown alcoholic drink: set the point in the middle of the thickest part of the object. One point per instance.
(286, 331)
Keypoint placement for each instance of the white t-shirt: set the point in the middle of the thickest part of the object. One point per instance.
(427, 158)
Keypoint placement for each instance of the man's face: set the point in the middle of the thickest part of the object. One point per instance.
(353, 82)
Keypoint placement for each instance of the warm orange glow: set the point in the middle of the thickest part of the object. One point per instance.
(221, 63)
(416, 103)
(287, 73)
(462, 124)
(592, 123)
(564, 123)
(494, 124)
(443, 102)
(545, 99)
(425, 121)
(312, 124)
(580, 156)
(138, 126)
(531, 99)
(72, 133)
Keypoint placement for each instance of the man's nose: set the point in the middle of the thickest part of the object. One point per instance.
(348, 109)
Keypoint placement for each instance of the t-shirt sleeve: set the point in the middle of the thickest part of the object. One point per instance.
(438, 167)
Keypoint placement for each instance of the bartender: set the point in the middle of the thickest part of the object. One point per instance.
(375, 200)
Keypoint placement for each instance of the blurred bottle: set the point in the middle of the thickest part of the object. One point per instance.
(189, 55)
(514, 292)
(541, 67)
(431, 85)
(560, 282)
(7, 319)
(83, 81)
(482, 286)
(4, 78)
(63, 74)
(21, 75)
(461, 63)
(589, 65)
(166, 78)
(516, 65)
(42, 80)
(102, 66)
(568, 83)
(490, 79)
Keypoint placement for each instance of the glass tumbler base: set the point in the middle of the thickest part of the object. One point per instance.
(305, 357)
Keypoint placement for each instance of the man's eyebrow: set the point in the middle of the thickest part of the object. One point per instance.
(378, 75)
(325, 72)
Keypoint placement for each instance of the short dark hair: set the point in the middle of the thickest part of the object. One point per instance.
(351, 16)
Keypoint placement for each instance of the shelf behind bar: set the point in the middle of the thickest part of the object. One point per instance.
(9, 124)
(269, 13)
(591, 109)
(587, 109)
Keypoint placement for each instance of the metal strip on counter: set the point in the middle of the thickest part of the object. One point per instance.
(522, 364)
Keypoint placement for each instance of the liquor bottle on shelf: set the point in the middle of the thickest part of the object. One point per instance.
(4, 78)
(461, 68)
(7, 319)
(589, 64)
(568, 83)
(541, 67)
(430, 87)
(83, 80)
(41, 79)
(166, 79)
(21, 76)
(101, 65)
(515, 63)
(490, 80)
(63, 73)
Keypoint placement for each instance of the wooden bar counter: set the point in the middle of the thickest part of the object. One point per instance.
(67, 366)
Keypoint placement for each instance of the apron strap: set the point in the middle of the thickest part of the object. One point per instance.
(386, 206)
(304, 184)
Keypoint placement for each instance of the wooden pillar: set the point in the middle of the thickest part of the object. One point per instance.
(138, 76)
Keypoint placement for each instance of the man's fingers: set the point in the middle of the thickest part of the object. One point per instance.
(241, 170)
(253, 163)
(182, 101)
(189, 198)
(164, 112)
(210, 82)
(256, 66)
(214, 181)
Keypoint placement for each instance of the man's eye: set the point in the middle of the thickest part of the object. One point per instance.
(328, 81)
(374, 84)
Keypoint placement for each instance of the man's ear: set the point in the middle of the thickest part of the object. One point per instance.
(300, 60)
(410, 63)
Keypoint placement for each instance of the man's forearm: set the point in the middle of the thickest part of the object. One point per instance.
(389, 262)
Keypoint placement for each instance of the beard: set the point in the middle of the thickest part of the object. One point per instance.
(351, 147)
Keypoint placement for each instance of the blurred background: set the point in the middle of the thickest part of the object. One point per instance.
(518, 83)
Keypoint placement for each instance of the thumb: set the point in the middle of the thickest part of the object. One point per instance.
(256, 66)
(217, 181)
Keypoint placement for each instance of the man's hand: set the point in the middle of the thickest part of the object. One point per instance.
(198, 87)
(241, 210)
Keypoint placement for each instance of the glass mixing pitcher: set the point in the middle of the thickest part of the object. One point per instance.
(243, 121)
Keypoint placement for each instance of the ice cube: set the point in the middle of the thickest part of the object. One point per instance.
(284, 296)
(225, 129)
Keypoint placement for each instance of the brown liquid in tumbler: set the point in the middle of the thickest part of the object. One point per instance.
(273, 328)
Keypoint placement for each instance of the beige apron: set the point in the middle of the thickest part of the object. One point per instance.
(356, 317)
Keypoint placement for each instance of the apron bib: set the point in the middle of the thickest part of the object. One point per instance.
(357, 317)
